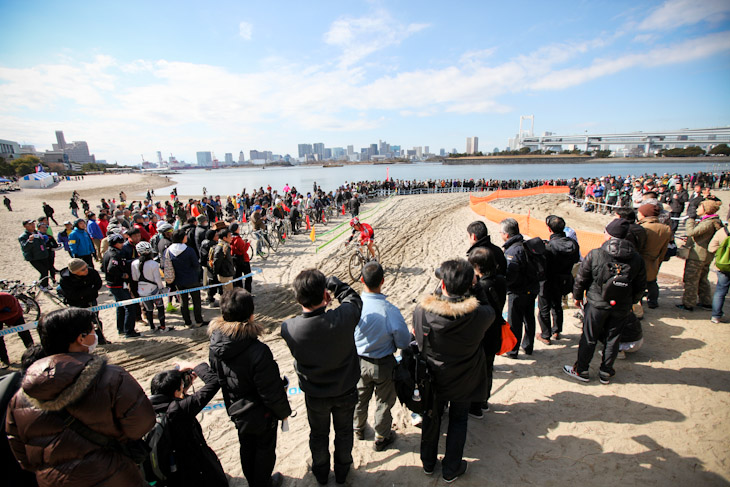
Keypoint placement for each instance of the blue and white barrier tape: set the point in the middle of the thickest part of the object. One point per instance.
(127, 302)
(221, 406)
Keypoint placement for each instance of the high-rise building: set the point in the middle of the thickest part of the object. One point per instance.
(350, 150)
(305, 150)
(61, 140)
(472, 145)
(373, 149)
(318, 150)
(241, 157)
(327, 153)
(426, 151)
(159, 157)
(419, 151)
(229, 158)
(442, 152)
(205, 158)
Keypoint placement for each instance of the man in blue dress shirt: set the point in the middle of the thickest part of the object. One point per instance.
(380, 331)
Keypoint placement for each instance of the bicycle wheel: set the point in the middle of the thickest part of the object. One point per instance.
(355, 266)
(250, 252)
(264, 252)
(273, 239)
(31, 310)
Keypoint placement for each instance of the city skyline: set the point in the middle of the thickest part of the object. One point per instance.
(258, 77)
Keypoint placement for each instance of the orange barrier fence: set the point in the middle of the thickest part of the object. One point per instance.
(529, 226)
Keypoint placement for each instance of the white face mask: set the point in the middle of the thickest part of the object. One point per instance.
(92, 347)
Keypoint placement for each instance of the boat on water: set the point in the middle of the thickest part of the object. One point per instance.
(332, 165)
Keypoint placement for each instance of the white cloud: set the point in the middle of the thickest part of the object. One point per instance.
(245, 30)
(676, 13)
(360, 37)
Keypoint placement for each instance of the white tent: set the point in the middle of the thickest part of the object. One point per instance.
(36, 180)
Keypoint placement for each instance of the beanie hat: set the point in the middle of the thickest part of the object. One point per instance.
(75, 265)
(649, 210)
(618, 228)
(711, 206)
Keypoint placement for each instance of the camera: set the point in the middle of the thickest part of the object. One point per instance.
(187, 378)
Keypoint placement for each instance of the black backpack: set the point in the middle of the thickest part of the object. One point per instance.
(535, 257)
(160, 462)
(616, 279)
(411, 374)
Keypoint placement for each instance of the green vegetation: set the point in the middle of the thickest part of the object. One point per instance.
(720, 150)
(691, 151)
(20, 166)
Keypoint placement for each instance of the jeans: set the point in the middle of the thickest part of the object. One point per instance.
(185, 309)
(376, 375)
(550, 305)
(126, 315)
(319, 410)
(521, 309)
(718, 299)
(600, 325)
(455, 436)
(258, 456)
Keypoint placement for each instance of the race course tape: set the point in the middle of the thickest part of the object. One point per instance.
(127, 302)
(218, 406)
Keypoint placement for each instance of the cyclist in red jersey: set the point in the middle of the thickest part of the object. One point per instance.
(367, 235)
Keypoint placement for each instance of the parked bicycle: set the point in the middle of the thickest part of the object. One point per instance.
(28, 296)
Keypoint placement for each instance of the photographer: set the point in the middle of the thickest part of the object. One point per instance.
(195, 464)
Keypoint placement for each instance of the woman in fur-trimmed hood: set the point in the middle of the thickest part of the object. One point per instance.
(103, 397)
(253, 391)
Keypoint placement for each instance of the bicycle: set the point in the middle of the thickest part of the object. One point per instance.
(268, 244)
(361, 257)
(31, 308)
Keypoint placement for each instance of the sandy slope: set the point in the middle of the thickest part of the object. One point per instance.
(664, 421)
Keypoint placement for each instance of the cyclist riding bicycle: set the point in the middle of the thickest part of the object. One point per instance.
(367, 235)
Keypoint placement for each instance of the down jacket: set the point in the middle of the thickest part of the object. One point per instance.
(450, 333)
(591, 275)
(103, 397)
(246, 369)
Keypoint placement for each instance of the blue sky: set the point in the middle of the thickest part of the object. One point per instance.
(133, 77)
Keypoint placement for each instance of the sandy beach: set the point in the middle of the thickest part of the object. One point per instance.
(664, 420)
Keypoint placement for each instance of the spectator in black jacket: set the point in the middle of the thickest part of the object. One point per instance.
(678, 197)
(521, 288)
(200, 229)
(118, 273)
(449, 329)
(196, 465)
(249, 376)
(189, 229)
(223, 265)
(492, 291)
(187, 269)
(562, 253)
(323, 345)
(80, 285)
(479, 237)
(607, 307)
(210, 241)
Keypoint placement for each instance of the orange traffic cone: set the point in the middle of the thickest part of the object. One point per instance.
(243, 217)
(308, 224)
(324, 218)
(343, 208)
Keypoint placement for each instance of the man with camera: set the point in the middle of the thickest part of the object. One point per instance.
(449, 328)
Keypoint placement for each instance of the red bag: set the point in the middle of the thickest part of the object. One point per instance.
(509, 340)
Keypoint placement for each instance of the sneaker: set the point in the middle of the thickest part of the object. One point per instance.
(570, 370)
(475, 411)
(460, 472)
(134, 334)
(277, 479)
(416, 420)
(485, 406)
(604, 377)
(428, 470)
(684, 308)
(556, 336)
(381, 444)
(718, 319)
(359, 433)
(512, 355)
(171, 308)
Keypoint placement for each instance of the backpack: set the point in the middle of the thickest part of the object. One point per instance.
(722, 256)
(616, 278)
(154, 242)
(168, 270)
(211, 260)
(161, 460)
(535, 257)
(412, 378)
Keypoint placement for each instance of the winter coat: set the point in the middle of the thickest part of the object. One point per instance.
(199, 236)
(114, 266)
(205, 247)
(36, 249)
(104, 397)
(450, 333)
(322, 343)
(92, 226)
(493, 292)
(248, 373)
(701, 234)
(591, 275)
(223, 260)
(197, 464)
(486, 242)
(677, 200)
(62, 238)
(80, 291)
(561, 254)
(518, 278)
(80, 244)
(658, 236)
(185, 261)
(239, 247)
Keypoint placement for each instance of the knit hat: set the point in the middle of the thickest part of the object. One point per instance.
(75, 265)
(711, 206)
(618, 228)
(649, 210)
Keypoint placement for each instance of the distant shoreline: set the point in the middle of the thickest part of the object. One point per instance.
(477, 161)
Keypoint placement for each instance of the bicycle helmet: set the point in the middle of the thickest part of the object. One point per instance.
(354, 221)
(165, 227)
(278, 201)
(144, 248)
(256, 207)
